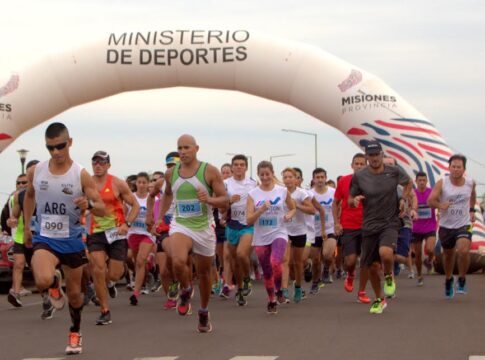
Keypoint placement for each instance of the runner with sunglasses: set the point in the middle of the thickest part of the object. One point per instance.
(106, 239)
(62, 190)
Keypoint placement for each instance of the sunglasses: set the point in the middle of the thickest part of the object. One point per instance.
(99, 162)
(22, 182)
(57, 146)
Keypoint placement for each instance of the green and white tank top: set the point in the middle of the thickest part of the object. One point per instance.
(189, 211)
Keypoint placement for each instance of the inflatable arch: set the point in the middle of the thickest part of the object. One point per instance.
(337, 93)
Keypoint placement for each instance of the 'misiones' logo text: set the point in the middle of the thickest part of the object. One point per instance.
(367, 101)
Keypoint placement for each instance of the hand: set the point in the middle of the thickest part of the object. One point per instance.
(472, 217)
(338, 229)
(234, 198)
(123, 229)
(414, 214)
(27, 237)
(358, 199)
(266, 205)
(223, 222)
(324, 235)
(149, 221)
(81, 202)
(444, 206)
(12, 222)
(402, 207)
(287, 217)
(202, 195)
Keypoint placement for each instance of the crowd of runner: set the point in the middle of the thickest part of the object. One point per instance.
(222, 230)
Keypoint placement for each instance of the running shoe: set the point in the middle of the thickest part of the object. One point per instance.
(204, 325)
(327, 278)
(397, 268)
(170, 304)
(113, 292)
(378, 306)
(133, 300)
(449, 288)
(217, 287)
(303, 295)
(349, 284)
(144, 291)
(363, 298)
(156, 286)
(247, 287)
(461, 288)
(286, 295)
(24, 292)
(131, 285)
(14, 299)
(183, 305)
(427, 264)
(104, 318)
(241, 301)
(339, 274)
(411, 275)
(308, 272)
(420, 281)
(47, 311)
(56, 294)
(88, 295)
(314, 289)
(297, 296)
(226, 292)
(272, 308)
(389, 286)
(173, 291)
(280, 297)
(75, 344)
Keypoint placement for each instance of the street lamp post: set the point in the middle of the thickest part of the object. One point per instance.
(278, 156)
(250, 158)
(306, 133)
(23, 157)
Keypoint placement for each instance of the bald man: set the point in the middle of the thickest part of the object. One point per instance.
(195, 187)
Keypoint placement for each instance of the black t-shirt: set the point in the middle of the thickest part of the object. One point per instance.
(381, 203)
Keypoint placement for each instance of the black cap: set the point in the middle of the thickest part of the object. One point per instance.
(31, 163)
(373, 148)
(101, 154)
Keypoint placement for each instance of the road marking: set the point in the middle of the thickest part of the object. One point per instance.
(476, 357)
(158, 358)
(254, 358)
(44, 359)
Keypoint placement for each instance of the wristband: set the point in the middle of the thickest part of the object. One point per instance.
(90, 205)
(472, 210)
(128, 223)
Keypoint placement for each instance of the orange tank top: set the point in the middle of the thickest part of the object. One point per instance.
(114, 210)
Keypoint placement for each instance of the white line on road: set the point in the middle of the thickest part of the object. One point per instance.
(158, 358)
(476, 357)
(254, 358)
(44, 359)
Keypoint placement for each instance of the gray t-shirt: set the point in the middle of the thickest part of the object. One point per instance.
(381, 203)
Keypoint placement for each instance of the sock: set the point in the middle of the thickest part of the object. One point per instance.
(75, 318)
(204, 310)
(136, 293)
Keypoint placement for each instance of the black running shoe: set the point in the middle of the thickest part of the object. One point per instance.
(14, 299)
(241, 301)
(113, 292)
(204, 325)
(272, 307)
(104, 318)
(133, 300)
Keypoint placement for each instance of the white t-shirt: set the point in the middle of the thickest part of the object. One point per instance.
(241, 188)
(297, 226)
(139, 225)
(310, 221)
(270, 225)
(326, 200)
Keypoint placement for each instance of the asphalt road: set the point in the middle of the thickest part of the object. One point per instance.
(418, 324)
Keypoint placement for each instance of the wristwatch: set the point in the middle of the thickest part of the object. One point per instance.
(90, 204)
(128, 223)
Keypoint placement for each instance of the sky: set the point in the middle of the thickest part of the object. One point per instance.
(431, 52)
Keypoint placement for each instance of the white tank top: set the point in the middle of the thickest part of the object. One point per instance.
(297, 226)
(270, 225)
(457, 215)
(139, 226)
(58, 217)
(241, 188)
(326, 200)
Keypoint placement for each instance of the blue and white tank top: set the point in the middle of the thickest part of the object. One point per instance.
(58, 217)
(326, 201)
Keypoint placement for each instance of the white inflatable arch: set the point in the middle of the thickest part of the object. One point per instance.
(350, 99)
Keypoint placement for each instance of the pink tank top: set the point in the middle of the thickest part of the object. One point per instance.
(426, 221)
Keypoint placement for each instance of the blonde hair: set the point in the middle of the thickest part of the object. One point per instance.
(289, 169)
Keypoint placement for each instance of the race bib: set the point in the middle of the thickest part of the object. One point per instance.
(139, 224)
(54, 226)
(424, 213)
(268, 222)
(238, 214)
(112, 235)
(189, 208)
